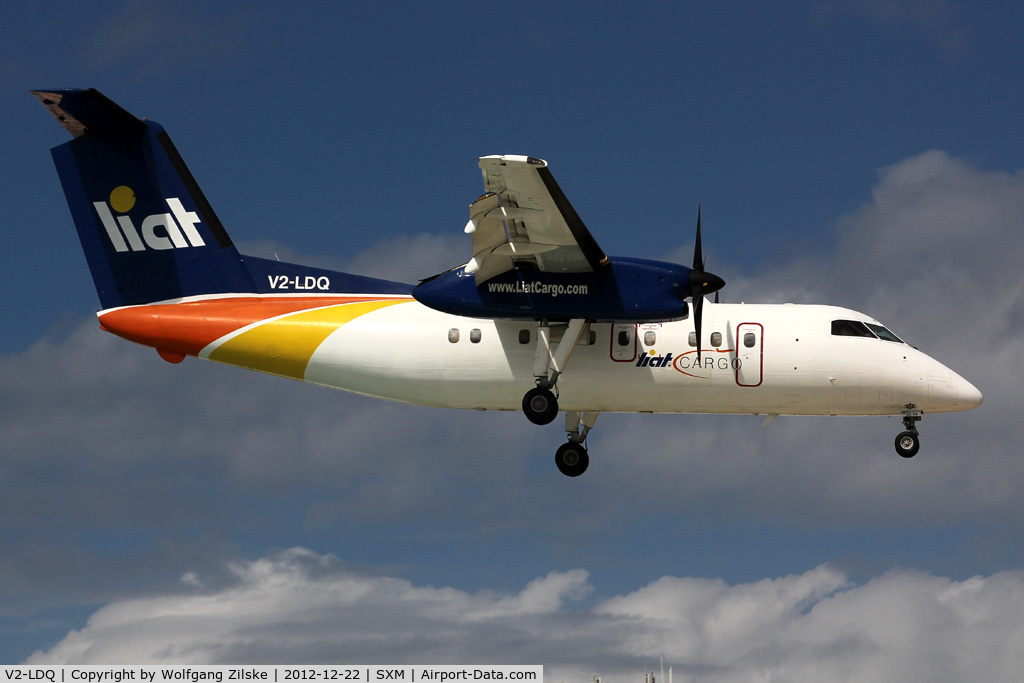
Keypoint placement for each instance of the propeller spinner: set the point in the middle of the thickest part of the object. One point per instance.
(702, 283)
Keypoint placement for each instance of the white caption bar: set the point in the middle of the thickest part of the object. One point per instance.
(530, 673)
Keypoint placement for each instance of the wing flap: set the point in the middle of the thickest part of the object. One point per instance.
(524, 220)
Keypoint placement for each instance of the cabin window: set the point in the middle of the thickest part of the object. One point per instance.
(650, 338)
(524, 336)
(453, 335)
(693, 339)
(591, 338)
(624, 338)
(884, 333)
(850, 328)
(749, 339)
(716, 339)
(474, 335)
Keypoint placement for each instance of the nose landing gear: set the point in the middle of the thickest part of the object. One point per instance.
(908, 443)
(571, 458)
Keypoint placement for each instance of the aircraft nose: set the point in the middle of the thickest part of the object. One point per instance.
(967, 395)
(949, 391)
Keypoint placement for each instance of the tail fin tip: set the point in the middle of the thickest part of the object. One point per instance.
(87, 110)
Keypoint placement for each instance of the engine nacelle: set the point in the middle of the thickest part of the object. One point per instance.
(629, 290)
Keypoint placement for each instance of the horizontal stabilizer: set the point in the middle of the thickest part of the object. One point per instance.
(90, 111)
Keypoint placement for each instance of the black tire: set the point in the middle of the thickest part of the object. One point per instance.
(540, 406)
(908, 444)
(572, 459)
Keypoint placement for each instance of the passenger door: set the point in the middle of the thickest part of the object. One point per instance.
(749, 354)
(623, 342)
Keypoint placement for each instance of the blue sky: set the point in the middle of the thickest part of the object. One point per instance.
(861, 153)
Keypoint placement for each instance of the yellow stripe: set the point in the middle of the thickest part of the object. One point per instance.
(285, 345)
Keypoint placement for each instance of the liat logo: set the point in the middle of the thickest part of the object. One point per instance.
(174, 230)
(688, 364)
(650, 360)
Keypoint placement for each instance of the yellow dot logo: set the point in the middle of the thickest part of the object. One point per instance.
(122, 199)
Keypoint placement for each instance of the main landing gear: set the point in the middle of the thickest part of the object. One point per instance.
(540, 404)
(908, 442)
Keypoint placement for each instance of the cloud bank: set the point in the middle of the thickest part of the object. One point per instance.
(298, 606)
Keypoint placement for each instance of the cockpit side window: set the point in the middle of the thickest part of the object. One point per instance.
(850, 328)
(884, 333)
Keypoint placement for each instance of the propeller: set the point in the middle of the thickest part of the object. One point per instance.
(702, 283)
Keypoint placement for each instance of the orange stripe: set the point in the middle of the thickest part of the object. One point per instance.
(189, 327)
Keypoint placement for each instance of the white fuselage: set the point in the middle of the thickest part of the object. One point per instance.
(755, 359)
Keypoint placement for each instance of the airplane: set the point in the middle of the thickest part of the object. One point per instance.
(539, 319)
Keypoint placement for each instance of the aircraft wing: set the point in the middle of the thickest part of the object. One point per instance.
(525, 221)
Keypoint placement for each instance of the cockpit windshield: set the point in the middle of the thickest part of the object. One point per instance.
(884, 333)
(850, 328)
(856, 328)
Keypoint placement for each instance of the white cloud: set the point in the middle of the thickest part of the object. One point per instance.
(96, 433)
(297, 605)
(405, 258)
(412, 257)
(935, 255)
(939, 21)
(106, 411)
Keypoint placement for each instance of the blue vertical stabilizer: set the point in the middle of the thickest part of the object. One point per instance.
(148, 232)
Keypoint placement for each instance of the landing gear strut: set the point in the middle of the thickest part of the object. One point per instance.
(908, 443)
(540, 404)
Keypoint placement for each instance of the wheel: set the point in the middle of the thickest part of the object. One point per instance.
(540, 406)
(572, 459)
(907, 444)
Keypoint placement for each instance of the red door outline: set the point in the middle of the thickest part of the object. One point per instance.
(750, 356)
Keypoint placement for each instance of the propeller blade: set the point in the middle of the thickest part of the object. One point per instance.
(698, 315)
(701, 284)
(698, 252)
